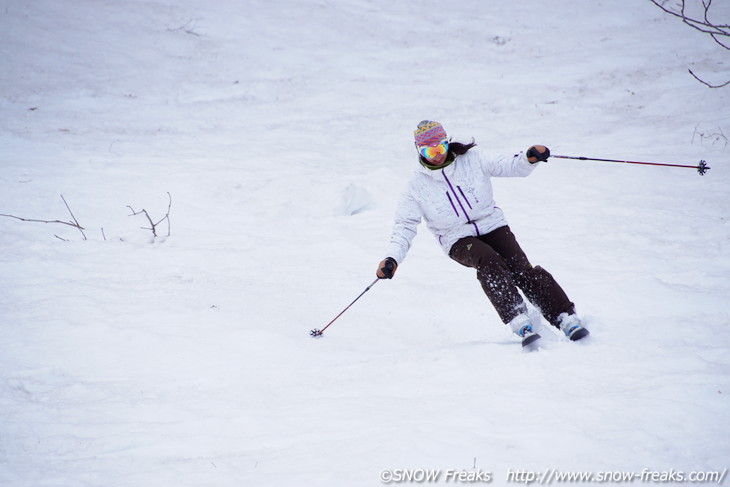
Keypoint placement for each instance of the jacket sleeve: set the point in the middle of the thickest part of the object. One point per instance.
(506, 166)
(408, 216)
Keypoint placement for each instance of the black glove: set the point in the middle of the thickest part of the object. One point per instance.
(386, 269)
(534, 153)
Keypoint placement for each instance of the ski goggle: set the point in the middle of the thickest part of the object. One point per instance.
(431, 151)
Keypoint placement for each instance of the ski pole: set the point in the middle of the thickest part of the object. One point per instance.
(318, 333)
(702, 167)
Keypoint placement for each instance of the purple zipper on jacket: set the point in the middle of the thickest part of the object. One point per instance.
(458, 200)
(465, 198)
(448, 195)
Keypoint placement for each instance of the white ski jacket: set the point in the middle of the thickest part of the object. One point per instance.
(456, 201)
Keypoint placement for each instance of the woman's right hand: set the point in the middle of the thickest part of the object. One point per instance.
(537, 153)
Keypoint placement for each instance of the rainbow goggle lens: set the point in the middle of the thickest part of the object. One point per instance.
(432, 151)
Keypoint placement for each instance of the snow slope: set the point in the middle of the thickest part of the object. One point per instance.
(282, 132)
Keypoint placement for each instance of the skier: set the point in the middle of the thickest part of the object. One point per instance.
(452, 192)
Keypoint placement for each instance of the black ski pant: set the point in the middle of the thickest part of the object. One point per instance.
(503, 268)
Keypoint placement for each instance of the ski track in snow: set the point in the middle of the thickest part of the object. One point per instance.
(282, 132)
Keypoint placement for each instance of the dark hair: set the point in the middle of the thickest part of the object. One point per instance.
(459, 149)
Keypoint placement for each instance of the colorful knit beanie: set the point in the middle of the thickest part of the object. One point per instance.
(429, 133)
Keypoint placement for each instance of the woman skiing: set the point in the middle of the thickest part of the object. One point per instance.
(452, 192)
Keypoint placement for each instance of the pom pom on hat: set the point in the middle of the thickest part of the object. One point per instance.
(429, 133)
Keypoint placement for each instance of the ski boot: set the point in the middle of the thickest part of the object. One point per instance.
(571, 325)
(522, 327)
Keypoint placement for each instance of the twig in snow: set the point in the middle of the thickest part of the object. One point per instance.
(705, 25)
(185, 28)
(74, 223)
(717, 137)
(706, 83)
(74, 218)
(153, 225)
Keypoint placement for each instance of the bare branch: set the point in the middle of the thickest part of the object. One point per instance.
(75, 223)
(706, 83)
(718, 137)
(187, 28)
(704, 25)
(74, 218)
(153, 225)
(144, 212)
(71, 224)
(670, 12)
(718, 41)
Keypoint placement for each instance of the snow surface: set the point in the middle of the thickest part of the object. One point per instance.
(283, 133)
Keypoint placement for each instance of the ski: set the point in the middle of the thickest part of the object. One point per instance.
(578, 334)
(529, 340)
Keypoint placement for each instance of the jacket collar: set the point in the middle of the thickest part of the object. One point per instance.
(436, 172)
